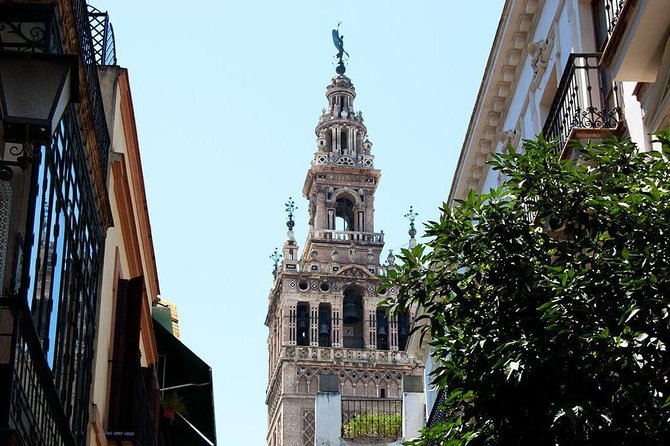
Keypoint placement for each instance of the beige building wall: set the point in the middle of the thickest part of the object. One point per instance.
(128, 248)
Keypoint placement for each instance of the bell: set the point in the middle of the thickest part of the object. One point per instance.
(350, 313)
(324, 329)
(302, 324)
(382, 334)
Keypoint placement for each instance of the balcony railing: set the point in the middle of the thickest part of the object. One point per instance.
(586, 101)
(90, 58)
(141, 433)
(613, 10)
(102, 34)
(34, 412)
(391, 357)
(371, 418)
(437, 413)
(349, 236)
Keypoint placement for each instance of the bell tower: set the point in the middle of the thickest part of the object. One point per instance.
(324, 314)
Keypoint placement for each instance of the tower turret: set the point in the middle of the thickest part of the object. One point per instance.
(341, 185)
(325, 311)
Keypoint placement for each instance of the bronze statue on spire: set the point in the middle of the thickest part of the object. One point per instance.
(338, 41)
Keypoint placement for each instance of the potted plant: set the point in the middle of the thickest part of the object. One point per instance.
(172, 403)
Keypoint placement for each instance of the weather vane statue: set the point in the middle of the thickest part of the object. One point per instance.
(338, 41)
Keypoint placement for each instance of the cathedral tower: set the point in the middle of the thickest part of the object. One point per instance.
(324, 314)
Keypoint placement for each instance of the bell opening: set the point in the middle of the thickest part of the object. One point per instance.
(352, 312)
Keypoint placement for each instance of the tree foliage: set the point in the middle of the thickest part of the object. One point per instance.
(547, 300)
(377, 425)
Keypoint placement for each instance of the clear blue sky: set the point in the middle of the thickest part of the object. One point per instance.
(227, 95)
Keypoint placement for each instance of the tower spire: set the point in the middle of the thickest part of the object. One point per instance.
(290, 208)
(411, 216)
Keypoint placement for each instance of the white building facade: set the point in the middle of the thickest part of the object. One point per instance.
(573, 70)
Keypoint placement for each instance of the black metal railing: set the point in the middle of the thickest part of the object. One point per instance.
(437, 413)
(102, 34)
(141, 432)
(586, 99)
(144, 432)
(29, 28)
(613, 10)
(34, 28)
(35, 411)
(371, 418)
(88, 55)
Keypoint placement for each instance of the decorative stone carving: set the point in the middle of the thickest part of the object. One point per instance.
(539, 56)
(507, 138)
(353, 272)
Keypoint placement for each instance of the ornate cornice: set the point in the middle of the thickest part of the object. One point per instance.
(509, 52)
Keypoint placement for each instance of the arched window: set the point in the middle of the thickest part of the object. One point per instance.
(353, 318)
(344, 214)
(302, 335)
(324, 325)
(382, 330)
(403, 330)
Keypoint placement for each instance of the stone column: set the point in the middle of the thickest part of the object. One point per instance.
(336, 324)
(314, 324)
(291, 335)
(393, 332)
(328, 412)
(413, 406)
(370, 329)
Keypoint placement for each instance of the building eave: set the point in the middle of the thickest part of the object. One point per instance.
(507, 56)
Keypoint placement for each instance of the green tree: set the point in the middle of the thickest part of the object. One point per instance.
(547, 300)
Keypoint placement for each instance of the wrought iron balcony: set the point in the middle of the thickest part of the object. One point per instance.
(613, 9)
(437, 413)
(349, 236)
(30, 410)
(102, 34)
(91, 58)
(141, 432)
(586, 103)
(371, 418)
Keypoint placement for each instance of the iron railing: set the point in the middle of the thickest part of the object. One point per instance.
(29, 28)
(141, 432)
(586, 99)
(34, 411)
(371, 418)
(102, 34)
(90, 59)
(34, 29)
(438, 413)
(613, 10)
